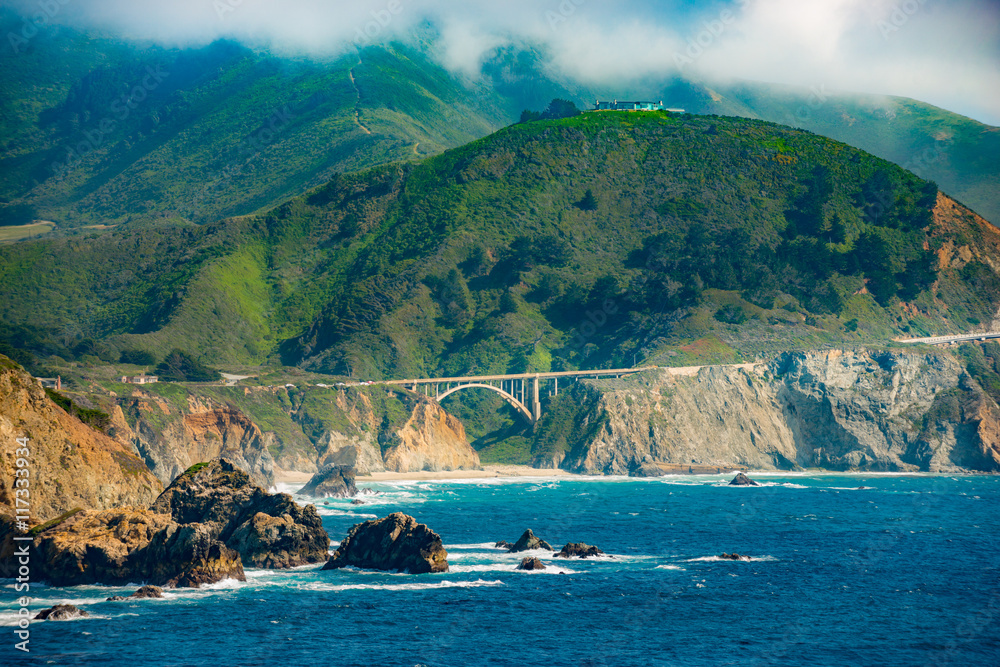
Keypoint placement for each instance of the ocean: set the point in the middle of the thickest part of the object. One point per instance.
(905, 571)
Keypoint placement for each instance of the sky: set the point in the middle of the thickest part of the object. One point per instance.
(943, 52)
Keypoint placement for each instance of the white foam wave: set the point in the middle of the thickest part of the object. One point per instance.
(401, 587)
(669, 567)
(716, 559)
(479, 545)
(323, 510)
(550, 568)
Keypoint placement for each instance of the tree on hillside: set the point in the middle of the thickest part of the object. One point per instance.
(558, 108)
(588, 203)
(179, 366)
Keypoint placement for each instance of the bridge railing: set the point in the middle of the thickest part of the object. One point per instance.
(934, 340)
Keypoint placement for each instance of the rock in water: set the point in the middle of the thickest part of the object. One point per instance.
(527, 542)
(148, 592)
(144, 592)
(332, 481)
(60, 612)
(268, 530)
(742, 480)
(733, 556)
(529, 563)
(503, 544)
(396, 542)
(578, 549)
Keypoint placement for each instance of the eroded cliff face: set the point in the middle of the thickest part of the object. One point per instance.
(172, 440)
(431, 439)
(371, 431)
(836, 409)
(70, 464)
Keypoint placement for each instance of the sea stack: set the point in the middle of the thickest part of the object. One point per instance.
(396, 542)
(742, 480)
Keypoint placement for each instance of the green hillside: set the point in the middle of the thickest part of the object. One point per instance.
(99, 131)
(958, 153)
(599, 240)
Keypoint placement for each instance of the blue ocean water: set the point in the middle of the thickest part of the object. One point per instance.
(906, 572)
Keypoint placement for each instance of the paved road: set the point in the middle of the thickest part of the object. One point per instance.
(944, 340)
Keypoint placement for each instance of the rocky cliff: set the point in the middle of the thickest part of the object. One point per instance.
(70, 464)
(172, 438)
(120, 546)
(431, 439)
(304, 428)
(837, 409)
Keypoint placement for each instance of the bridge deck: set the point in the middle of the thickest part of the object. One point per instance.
(522, 376)
(941, 340)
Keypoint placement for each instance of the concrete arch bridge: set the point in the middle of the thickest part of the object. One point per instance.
(522, 391)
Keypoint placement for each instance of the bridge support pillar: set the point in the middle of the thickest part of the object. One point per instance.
(536, 404)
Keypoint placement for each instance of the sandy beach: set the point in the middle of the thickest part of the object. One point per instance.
(295, 477)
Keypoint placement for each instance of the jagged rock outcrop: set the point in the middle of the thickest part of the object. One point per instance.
(529, 563)
(60, 612)
(119, 546)
(171, 439)
(431, 439)
(71, 464)
(267, 530)
(143, 593)
(742, 480)
(578, 550)
(396, 542)
(837, 409)
(528, 542)
(733, 556)
(332, 481)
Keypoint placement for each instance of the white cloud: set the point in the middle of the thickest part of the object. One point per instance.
(939, 51)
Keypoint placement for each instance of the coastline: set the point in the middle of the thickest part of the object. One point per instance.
(487, 471)
(514, 471)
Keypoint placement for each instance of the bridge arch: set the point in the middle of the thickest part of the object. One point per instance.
(507, 397)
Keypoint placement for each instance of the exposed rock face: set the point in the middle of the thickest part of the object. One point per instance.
(71, 464)
(396, 542)
(528, 542)
(356, 450)
(529, 563)
(267, 530)
(838, 410)
(331, 482)
(123, 545)
(203, 430)
(60, 612)
(742, 480)
(327, 426)
(432, 439)
(578, 550)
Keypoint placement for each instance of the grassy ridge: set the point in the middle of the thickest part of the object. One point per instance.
(710, 239)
